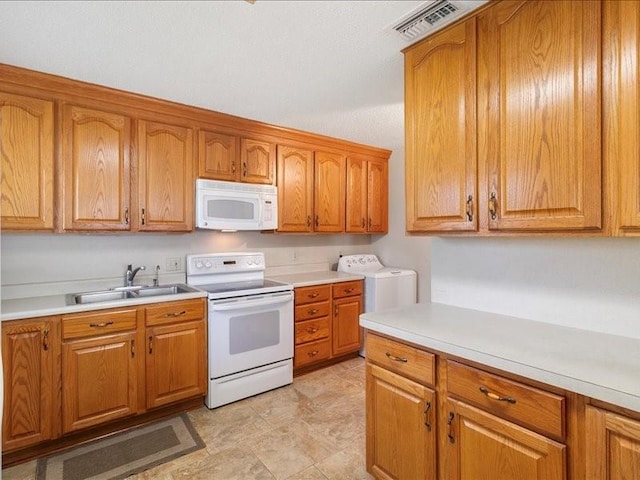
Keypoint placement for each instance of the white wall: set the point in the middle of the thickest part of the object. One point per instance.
(591, 283)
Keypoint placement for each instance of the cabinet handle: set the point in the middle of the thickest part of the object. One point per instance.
(233, 167)
(150, 344)
(313, 311)
(312, 329)
(335, 311)
(143, 221)
(133, 348)
(175, 314)
(314, 353)
(348, 290)
(363, 223)
(317, 220)
(452, 439)
(470, 208)
(427, 410)
(397, 359)
(494, 396)
(313, 295)
(126, 216)
(45, 340)
(309, 221)
(244, 169)
(100, 325)
(370, 222)
(493, 206)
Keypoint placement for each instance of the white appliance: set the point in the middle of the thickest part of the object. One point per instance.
(236, 206)
(250, 325)
(384, 287)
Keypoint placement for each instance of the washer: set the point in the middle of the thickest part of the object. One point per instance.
(384, 287)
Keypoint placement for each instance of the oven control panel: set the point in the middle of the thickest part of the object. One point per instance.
(205, 264)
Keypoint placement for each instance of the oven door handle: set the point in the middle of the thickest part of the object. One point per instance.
(263, 302)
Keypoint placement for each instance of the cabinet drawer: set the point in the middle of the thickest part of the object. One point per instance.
(539, 410)
(98, 323)
(312, 310)
(312, 330)
(403, 359)
(346, 289)
(316, 293)
(312, 352)
(171, 312)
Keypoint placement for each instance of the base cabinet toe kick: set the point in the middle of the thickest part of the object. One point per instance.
(430, 415)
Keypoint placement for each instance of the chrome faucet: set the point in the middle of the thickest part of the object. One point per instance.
(130, 275)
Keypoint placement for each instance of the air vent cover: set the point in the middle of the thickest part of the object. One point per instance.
(432, 16)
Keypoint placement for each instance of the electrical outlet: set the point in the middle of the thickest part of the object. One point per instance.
(173, 264)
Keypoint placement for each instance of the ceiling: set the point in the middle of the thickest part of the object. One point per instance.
(324, 66)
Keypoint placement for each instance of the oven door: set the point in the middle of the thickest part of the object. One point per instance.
(248, 332)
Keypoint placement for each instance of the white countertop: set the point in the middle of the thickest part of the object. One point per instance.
(598, 365)
(306, 279)
(19, 308)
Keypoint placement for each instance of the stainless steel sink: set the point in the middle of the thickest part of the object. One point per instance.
(126, 293)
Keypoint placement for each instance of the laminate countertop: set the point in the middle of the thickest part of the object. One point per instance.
(307, 279)
(599, 365)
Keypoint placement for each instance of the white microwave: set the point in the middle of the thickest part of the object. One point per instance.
(236, 206)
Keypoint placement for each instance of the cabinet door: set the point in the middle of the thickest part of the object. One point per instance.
(176, 362)
(400, 420)
(539, 88)
(100, 380)
(165, 168)
(295, 189)
(356, 214)
(329, 192)
(95, 164)
(218, 157)
(483, 446)
(440, 116)
(258, 161)
(613, 446)
(377, 196)
(31, 381)
(26, 142)
(621, 51)
(345, 333)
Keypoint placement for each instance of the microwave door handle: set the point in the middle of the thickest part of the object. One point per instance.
(252, 303)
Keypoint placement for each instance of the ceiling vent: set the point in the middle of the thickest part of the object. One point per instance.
(432, 16)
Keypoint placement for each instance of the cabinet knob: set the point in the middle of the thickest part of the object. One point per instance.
(314, 353)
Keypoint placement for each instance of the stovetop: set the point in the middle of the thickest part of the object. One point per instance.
(244, 288)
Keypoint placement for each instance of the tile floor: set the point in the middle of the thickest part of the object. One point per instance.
(313, 429)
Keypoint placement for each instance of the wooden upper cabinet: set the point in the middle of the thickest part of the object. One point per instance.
(295, 189)
(329, 192)
(613, 446)
(356, 209)
(539, 89)
(27, 146)
(218, 156)
(621, 53)
(166, 180)
(258, 160)
(366, 195)
(96, 169)
(377, 196)
(440, 123)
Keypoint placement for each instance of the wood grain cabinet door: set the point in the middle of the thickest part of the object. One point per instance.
(295, 189)
(539, 91)
(440, 116)
(31, 378)
(481, 445)
(166, 181)
(27, 151)
(218, 156)
(176, 362)
(96, 169)
(613, 446)
(258, 161)
(377, 196)
(356, 209)
(345, 333)
(329, 192)
(621, 111)
(400, 422)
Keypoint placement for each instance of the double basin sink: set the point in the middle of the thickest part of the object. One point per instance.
(127, 293)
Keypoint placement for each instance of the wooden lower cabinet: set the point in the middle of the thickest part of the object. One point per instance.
(613, 446)
(484, 446)
(345, 336)
(30, 352)
(401, 441)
